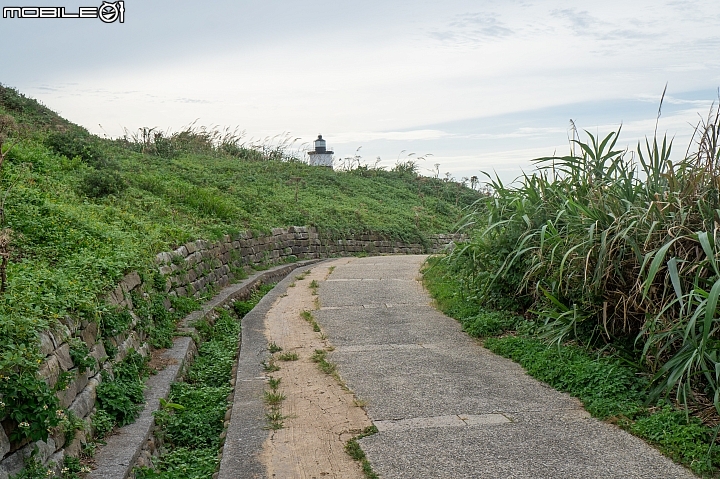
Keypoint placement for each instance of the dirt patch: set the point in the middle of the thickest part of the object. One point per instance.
(320, 414)
(158, 362)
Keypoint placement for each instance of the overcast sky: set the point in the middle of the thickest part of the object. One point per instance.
(480, 85)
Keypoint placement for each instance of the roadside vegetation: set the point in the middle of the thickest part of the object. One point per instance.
(599, 272)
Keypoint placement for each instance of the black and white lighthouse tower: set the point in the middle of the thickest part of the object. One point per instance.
(321, 156)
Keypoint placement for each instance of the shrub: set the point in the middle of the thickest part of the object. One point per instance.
(77, 142)
(100, 183)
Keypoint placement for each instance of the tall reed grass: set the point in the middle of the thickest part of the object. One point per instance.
(614, 248)
(213, 141)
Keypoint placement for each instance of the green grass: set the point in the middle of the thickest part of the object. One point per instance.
(320, 357)
(352, 447)
(288, 357)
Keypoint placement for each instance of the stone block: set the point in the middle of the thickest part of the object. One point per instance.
(55, 463)
(164, 270)
(181, 291)
(98, 352)
(82, 379)
(181, 251)
(130, 282)
(71, 323)
(63, 356)
(85, 401)
(4, 443)
(163, 258)
(74, 448)
(90, 334)
(47, 346)
(15, 462)
(67, 395)
(191, 247)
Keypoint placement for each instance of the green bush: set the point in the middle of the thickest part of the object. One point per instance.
(100, 183)
(77, 142)
(102, 423)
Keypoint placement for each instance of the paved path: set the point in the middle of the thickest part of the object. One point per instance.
(446, 407)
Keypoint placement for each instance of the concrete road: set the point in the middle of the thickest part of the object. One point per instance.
(447, 408)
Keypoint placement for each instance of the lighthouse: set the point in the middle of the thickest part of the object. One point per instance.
(321, 156)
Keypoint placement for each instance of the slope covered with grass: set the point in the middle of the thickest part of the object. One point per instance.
(79, 212)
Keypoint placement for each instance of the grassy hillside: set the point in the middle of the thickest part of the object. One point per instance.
(81, 211)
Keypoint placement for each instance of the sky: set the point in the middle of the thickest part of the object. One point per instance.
(471, 86)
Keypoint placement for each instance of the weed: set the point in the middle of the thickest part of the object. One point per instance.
(352, 447)
(102, 423)
(273, 398)
(274, 348)
(314, 285)
(274, 383)
(122, 397)
(303, 275)
(288, 357)
(269, 366)
(275, 419)
(320, 357)
(306, 315)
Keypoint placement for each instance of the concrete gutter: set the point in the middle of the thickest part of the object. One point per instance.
(117, 459)
(247, 434)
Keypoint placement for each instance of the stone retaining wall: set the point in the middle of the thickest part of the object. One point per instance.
(192, 269)
(196, 265)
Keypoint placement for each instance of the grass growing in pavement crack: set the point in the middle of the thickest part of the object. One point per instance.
(352, 447)
(288, 357)
(307, 316)
(274, 348)
(320, 357)
(274, 399)
(269, 366)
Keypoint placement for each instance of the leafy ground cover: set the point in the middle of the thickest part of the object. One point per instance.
(190, 422)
